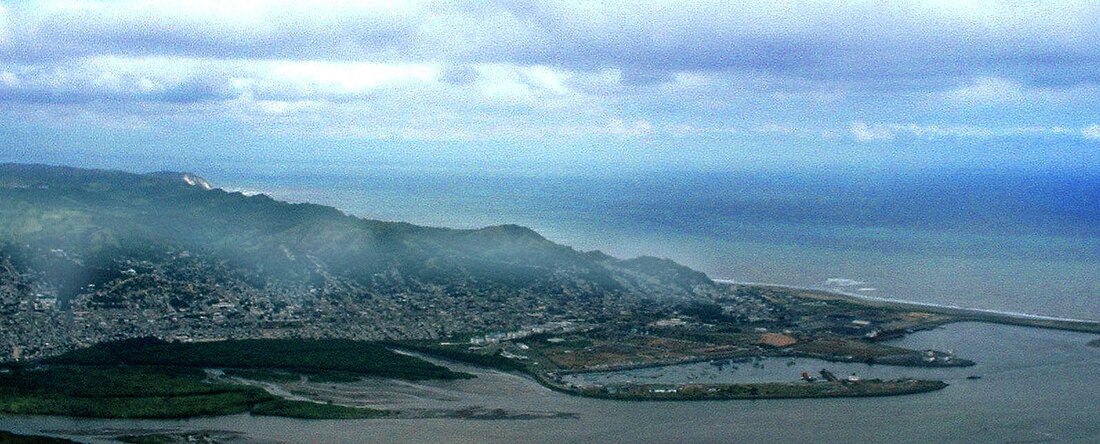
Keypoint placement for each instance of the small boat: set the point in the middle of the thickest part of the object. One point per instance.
(974, 377)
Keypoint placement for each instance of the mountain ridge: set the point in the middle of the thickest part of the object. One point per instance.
(109, 243)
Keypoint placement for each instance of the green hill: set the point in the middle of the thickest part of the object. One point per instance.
(108, 213)
(169, 242)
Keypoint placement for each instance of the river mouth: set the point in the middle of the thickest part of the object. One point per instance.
(1037, 385)
(481, 399)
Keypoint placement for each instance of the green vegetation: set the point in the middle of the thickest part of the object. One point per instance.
(313, 410)
(12, 438)
(282, 377)
(182, 437)
(265, 375)
(144, 392)
(158, 438)
(149, 378)
(336, 377)
(328, 357)
(122, 392)
(151, 439)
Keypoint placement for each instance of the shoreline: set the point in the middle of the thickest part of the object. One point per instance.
(690, 391)
(961, 313)
(765, 391)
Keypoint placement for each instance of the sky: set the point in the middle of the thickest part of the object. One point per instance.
(551, 86)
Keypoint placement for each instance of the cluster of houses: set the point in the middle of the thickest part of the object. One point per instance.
(548, 327)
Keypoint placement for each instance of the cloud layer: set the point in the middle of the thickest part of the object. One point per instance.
(861, 72)
(647, 39)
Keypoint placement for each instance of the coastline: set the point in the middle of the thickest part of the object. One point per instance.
(770, 390)
(705, 391)
(960, 314)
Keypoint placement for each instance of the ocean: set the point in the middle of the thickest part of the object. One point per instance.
(1020, 241)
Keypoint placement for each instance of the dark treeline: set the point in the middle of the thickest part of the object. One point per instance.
(304, 356)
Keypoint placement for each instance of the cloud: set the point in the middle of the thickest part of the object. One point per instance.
(173, 79)
(459, 75)
(971, 131)
(939, 131)
(864, 132)
(334, 80)
(867, 133)
(288, 107)
(210, 29)
(5, 33)
(987, 90)
(340, 99)
(774, 128)
(473, 70)
(649, 42)
(637, 128)
(108, 80)
(523, 86)
(1091, 132)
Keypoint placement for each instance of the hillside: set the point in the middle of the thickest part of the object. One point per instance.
(89, 255)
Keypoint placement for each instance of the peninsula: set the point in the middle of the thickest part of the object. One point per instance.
(806, 324)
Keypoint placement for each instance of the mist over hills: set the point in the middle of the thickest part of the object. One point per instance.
(167, 250)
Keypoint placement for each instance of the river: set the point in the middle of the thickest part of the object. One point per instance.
(1036, 386)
